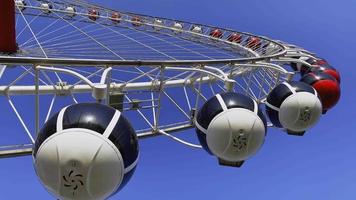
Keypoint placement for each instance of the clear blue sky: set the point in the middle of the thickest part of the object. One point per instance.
(320, 165)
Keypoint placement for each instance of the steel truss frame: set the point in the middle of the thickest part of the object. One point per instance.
(255, 74)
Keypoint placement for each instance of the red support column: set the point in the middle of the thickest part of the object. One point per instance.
(7, 27)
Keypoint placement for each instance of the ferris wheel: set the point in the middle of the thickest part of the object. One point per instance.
(82, 83)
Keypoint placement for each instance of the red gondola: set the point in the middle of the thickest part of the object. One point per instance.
(327, 87)
(93, 14)
(234, 37)
(216, 33)
(253, 43)
(326, 68)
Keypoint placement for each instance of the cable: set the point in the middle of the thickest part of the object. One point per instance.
(180, 140)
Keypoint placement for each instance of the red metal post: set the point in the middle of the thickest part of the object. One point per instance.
(7, 27)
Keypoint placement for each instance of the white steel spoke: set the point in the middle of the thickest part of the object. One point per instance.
(29, 23)
(39, 33)
(141, 114)
(177, 45)
(130, 38)
(187, 98)
(153, 110)
(27, 71)
(20, 119)
(33, 34)
(176, 104)
(30, 72)
(92, 38)
(73, 97)
(50, 108)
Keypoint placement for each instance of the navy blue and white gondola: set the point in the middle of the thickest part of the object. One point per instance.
(294, 106)
(231, 126)
(86, 151)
